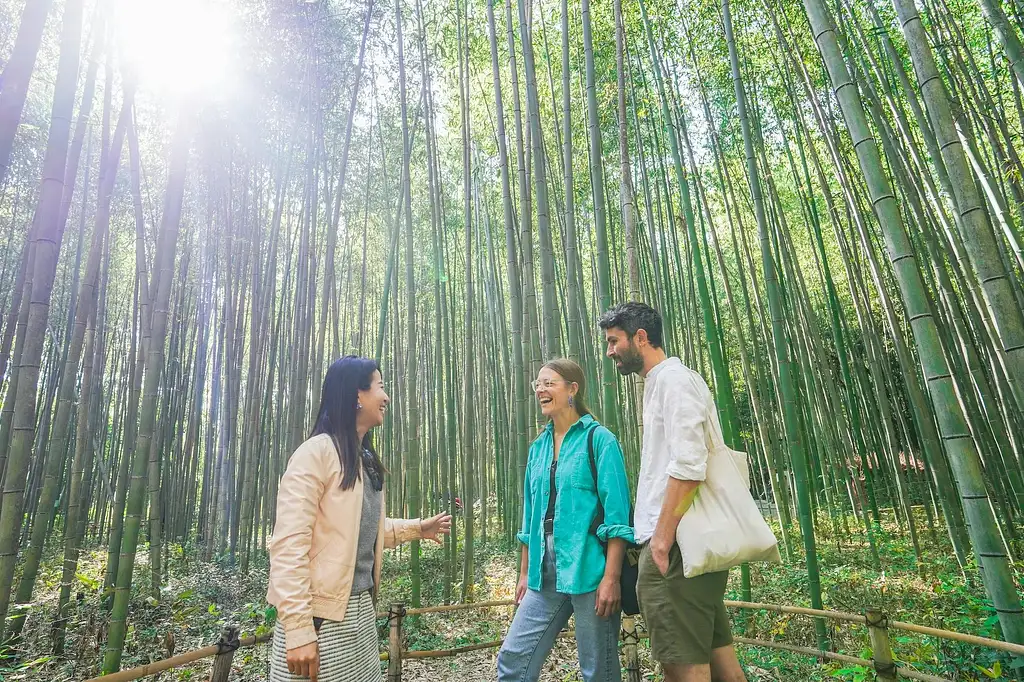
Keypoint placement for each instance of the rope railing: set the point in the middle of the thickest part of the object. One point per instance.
(877, 623)
(218, 650)
(908, 673)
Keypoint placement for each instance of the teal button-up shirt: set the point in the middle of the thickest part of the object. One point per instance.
(579, 554)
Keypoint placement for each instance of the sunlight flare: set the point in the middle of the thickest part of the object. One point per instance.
(178, 47)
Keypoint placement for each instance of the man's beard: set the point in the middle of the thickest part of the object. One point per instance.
(630, 362)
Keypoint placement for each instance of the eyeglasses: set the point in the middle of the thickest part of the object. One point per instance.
(547, 384)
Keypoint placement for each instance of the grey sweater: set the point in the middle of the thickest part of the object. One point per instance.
(369, 524)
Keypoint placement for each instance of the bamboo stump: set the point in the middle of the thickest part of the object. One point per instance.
(226, 648)
(630, 639)
(395, 615)
(881, 649)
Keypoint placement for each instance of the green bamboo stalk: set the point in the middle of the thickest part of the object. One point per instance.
(961, 449)
(979, 238)
(785, 373)
(154, 367)
(47, 236)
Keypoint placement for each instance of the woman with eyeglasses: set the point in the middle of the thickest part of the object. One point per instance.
(571, 556)
(330, 533)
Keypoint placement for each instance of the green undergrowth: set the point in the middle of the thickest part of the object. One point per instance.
(201, 597)
(933, 592)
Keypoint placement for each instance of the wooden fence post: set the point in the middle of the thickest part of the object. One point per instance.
(395, 615)
(226, 648)
(881, 650)
(630, 638)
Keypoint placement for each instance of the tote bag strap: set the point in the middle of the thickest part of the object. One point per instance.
(713, 437)
(713, 428)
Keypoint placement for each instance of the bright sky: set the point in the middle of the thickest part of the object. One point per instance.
(180, 48)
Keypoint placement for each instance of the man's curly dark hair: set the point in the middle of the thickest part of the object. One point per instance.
(632, 317)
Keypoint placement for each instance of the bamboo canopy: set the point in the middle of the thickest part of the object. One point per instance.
(823, 198)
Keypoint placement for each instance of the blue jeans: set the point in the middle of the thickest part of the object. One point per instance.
(540, 618)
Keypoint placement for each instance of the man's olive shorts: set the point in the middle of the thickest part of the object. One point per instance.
(686, 617)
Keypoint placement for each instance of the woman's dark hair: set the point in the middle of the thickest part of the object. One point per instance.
(337, 418)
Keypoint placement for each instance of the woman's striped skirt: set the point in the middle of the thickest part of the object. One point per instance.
(349, 650)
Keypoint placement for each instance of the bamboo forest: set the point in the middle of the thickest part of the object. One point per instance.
(204, 203)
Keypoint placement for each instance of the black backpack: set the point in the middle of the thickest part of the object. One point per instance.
(631, 559)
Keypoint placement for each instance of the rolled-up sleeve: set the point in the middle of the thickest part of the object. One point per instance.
(300, 491)
(612, 488)
(685, 410)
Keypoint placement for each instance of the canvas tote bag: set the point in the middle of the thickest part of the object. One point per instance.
(723, 527)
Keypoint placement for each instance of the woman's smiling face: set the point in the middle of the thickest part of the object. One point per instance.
(374, 402)
(552, 391)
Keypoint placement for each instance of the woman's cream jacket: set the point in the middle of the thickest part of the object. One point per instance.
(313, 548)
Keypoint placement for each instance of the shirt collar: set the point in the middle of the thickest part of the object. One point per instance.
(583, 422)
(657, 369)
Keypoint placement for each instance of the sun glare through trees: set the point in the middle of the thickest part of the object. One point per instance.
(179, 47)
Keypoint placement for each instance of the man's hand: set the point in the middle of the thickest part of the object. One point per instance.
(659, 554)
(436, 526)
(609, 597)
(679, 495)
(304, 661)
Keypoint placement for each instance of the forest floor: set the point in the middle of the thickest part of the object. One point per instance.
(200, 597)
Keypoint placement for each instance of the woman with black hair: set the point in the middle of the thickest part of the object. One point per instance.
(331, 529)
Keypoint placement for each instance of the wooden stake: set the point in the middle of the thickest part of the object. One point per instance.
(227, 646)
(881, 650)
(395, 616)
(630, 639)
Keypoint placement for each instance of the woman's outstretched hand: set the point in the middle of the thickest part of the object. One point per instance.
(436, 526)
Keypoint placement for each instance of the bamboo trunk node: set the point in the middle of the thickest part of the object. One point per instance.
(226, 648)
(881, 649)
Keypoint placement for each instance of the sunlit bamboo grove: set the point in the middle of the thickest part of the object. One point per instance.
(825, 200)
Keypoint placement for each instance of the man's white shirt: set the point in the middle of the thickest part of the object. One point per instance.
(677, 401)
